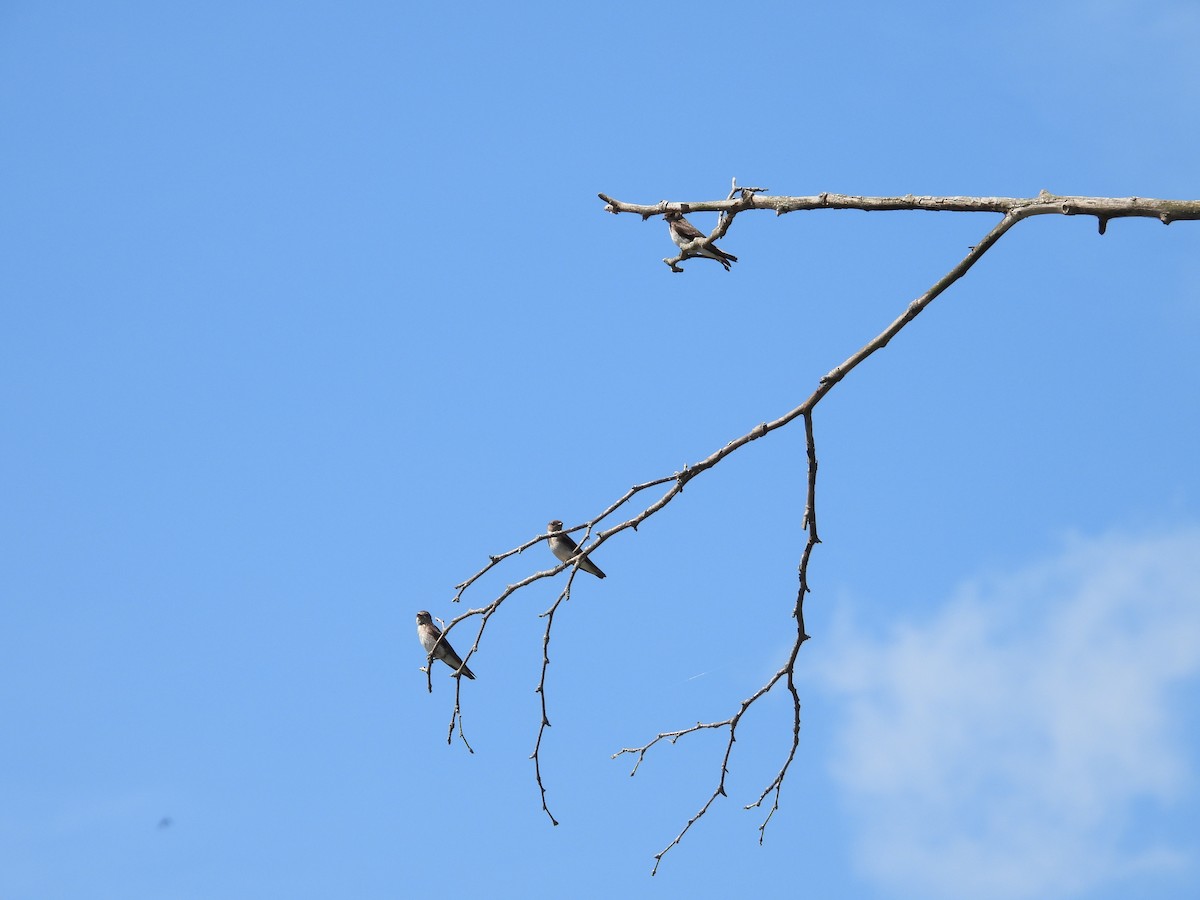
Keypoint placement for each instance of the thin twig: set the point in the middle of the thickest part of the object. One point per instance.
(541, 689)
(458, 716)
(810, 524)
(493, 561)
(564, 596)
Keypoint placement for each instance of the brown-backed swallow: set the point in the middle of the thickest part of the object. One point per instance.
(683, 233)
(566, 549)
(428, 633)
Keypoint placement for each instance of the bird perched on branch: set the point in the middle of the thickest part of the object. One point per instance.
(684, 233)
(428, 634)
(566, 549)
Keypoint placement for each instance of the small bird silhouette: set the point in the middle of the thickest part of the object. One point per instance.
(428, 634)
(566, 549)
(683, 233)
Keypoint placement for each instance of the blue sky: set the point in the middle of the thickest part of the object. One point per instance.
(308, 309)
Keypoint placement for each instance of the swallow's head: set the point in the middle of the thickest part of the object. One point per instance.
(554, 526)
(423, 618)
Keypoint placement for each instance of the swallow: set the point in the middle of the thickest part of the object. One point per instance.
(566, 549)
(428, 634)
(684, 234)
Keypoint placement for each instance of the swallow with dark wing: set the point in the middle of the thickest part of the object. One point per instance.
(566, 549)
(428, 633)
(685, 235)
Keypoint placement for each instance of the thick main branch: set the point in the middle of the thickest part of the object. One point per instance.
(1044, 204)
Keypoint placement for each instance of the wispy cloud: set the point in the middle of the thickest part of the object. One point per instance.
(1012, 745)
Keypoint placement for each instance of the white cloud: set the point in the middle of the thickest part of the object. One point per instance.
(1012, 745)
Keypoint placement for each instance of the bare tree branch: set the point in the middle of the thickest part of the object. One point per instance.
(548, 615)
(1045, 203)
(677, 481)
(739, 200)
(788, 671)
(809, 523)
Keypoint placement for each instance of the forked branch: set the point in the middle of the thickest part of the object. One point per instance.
(739, 200)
